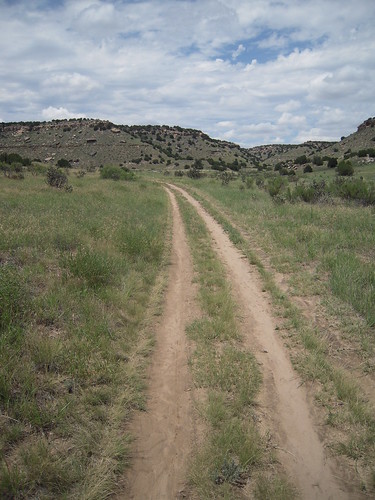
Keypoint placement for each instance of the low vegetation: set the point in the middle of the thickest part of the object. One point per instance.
(55, 177)
(230, 378)
(79, 276)
(324, 253)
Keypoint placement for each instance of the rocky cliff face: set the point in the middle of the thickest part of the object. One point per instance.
(370, 122)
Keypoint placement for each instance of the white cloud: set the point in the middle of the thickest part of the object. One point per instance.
(238, 51)
(225, 124)
(289, 119)
(315, 133)
(61, 113)
(163, 61)
(291, 105)
(70, 81)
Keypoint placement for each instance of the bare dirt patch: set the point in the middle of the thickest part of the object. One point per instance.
(164, 433)
(284, 402)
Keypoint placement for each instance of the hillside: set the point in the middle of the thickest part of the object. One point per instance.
(363, 138)
(89, 143)
(274, 153)
(83, 142)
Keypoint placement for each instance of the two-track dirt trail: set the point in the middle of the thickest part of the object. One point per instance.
(164, 433)
(283, 400)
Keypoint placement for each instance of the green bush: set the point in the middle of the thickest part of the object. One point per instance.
(63, 163)
(194, 173)
(116, 173)
(309, 193)
(345, 168)
(274, 186)
(331, 162)
(364, 152)
(317, 160)
(301, 160)
(225, 178)
(37, 168)
(307, 169)
(355, 189)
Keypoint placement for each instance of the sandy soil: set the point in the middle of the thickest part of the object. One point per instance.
(164, 434)
(284, 402)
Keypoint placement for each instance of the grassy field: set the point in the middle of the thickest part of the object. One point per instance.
(81, 275)
(317, 260)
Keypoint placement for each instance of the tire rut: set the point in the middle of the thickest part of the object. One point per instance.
(164, 433)
(283, 401)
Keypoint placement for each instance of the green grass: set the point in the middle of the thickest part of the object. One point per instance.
(81, 275)
(229, 377)
(323, 251)
(300, 235)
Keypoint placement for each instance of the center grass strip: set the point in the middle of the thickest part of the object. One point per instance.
(233, 455)
(345, 405)
(81, 276)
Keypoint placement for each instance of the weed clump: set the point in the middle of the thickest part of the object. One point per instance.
(56, 178)
(94, 268)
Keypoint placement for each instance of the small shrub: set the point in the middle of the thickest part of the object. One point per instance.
(36, 169)
(179, 173)
(345, 168)
(284, 171)
(115, 173)
(226, 177)
(194, 173)
(63, 163)
(317, 160)
(309, 193)
(13, 158)
(304, 193)
(355, 189)
(274, 186)
(332, 162)
(301, 160)
(56, 178)
(307, 169)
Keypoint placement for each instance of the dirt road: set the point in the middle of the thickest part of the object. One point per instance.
(283, 399)
(164, 432)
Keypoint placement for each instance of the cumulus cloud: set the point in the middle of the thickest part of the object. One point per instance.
(61, 113)
(254, 72)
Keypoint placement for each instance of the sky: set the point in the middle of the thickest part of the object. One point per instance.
(248, 71)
